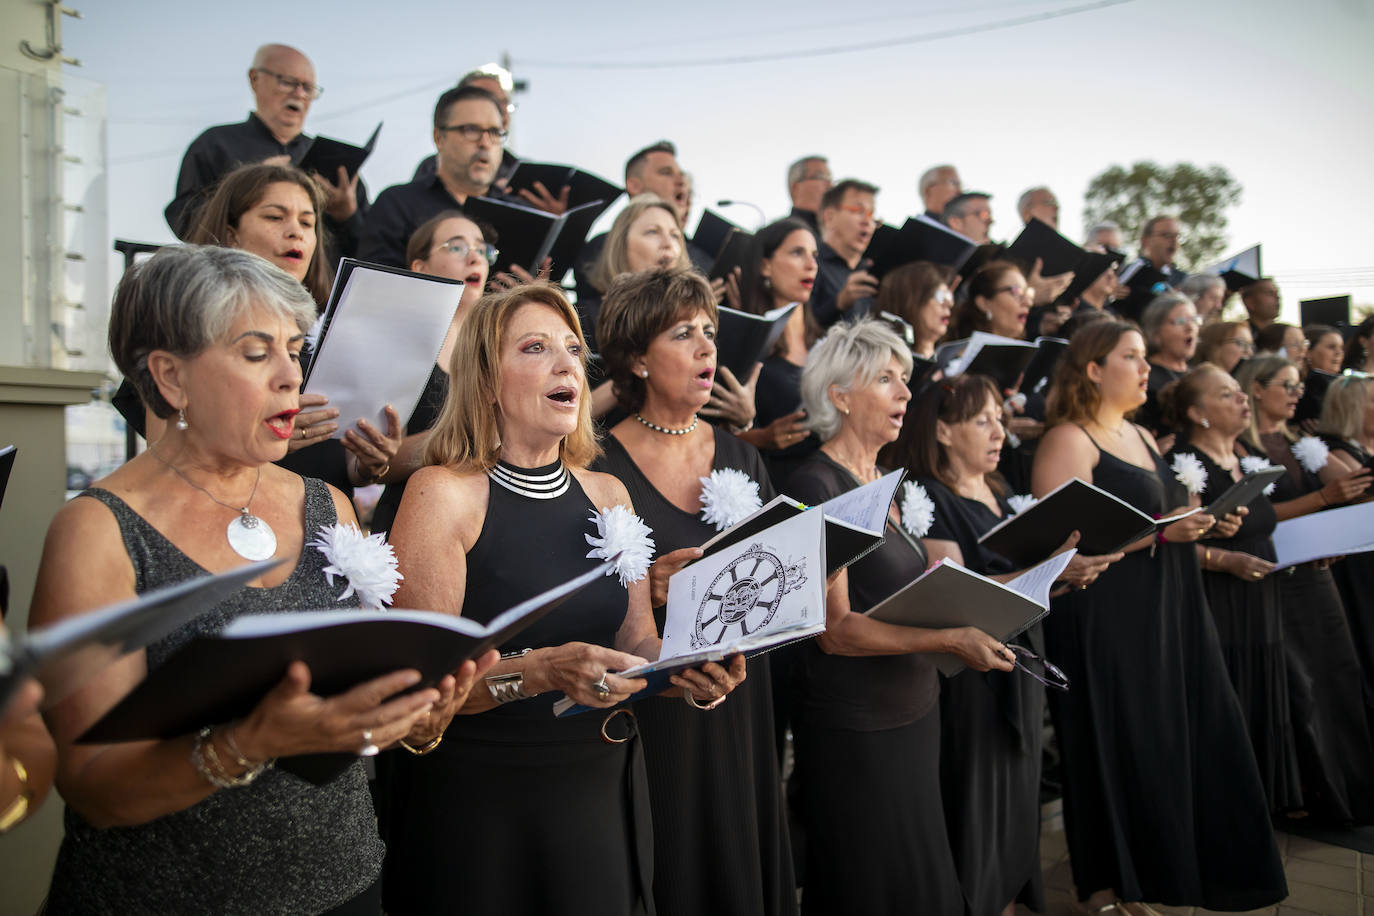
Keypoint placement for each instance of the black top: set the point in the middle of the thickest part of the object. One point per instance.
(398, 212)
(1149, 414)
(809, 217)
(831, 275)
(221, 149)
(777, 394)
(423, 417)
(964, 521)
(873, 692)
(1257, 527)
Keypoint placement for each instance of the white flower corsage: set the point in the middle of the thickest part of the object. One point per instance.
(624, 533)
(1020, 502)
(312, 336)
(367, 561)
(728, 496)
(1311, 453)
(1188, 470)
(918, 510)
(1252, 463)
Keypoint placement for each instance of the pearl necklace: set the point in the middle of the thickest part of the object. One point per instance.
(671, 432)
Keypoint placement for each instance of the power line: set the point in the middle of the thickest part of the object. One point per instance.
(830, 50)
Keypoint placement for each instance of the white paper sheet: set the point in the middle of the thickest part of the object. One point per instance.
(1333, 533)
(1037, 582)
(866, 506)
(381, 344)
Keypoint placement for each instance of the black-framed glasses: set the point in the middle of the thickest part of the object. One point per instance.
(1053, 677)
(474, 132)
(291, 84)
(1291, 387)
(463, 249)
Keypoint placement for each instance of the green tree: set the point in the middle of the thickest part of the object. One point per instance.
(1198, 197)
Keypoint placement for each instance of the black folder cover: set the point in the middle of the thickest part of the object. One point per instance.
(526, 236)
(216, 679)
(583, 187)
(1244, 491)
(1089, 267)
(733, 253)
(1039, 240)
(918, 239)
(712, 232)
(743, 339)
(326, 154)
(1042, 363)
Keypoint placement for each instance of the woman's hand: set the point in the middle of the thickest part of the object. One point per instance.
(733, 297)
(1229, 524)
(782, 433)
(453, 693)
(1187, 530)
(291, 720)
(664, 568)
(312, 426)
(373, 450)
(731, 400)
(1082, 569)
(711, 682)
(519, 276)
(1242, 565)
(977, 649)
(1344, 489)
(577, 667)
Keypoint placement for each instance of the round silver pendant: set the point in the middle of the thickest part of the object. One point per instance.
(251, 537)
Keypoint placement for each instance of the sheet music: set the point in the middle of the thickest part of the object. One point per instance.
(1037, 582)
(866, 506)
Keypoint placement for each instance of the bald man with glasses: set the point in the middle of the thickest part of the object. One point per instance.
(282, 80)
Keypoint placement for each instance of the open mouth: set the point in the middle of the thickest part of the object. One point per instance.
(295, 105)
(706, 376)
(280, 424)
(808, 282)
(293, 254)
(473, 279)
(563, 395)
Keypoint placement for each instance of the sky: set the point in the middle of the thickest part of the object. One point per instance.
(1015, 93)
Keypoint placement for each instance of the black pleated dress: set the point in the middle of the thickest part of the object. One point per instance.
(1249, 622)
(720, 828)
(1325, 682)
(519, 812)
(867, 734)
(1162, 798)
(990, 742)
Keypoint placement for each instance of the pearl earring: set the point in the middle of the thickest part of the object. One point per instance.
(181, 420)
(1205, 424)
(987, 315)
(767, 283)
(644, 374)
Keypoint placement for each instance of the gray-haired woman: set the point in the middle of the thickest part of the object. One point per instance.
(865, 715)
(211, 338)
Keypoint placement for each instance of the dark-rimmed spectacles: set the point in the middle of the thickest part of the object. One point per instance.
(291, 84)
(473, 133)
(1025, 658)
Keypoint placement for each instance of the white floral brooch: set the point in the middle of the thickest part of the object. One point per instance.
(1020, 502)
(367, 562)
(728, 496)
(1311, 453)
(918, 510)
(1252, 463)
(312, 336)
(624, 534)
(1188, 470)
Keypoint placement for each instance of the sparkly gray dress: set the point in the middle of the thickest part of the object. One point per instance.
(279, 845)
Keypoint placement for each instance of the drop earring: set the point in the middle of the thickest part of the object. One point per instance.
(181, 420)
(767, 283)
(1205, 424)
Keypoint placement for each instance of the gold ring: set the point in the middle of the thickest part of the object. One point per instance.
(1258, 575)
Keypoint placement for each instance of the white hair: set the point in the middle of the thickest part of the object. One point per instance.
(848, 357)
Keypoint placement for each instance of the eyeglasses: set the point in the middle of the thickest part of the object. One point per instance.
(1290, 387)
(858, 210)
(1017, 291)
(1243, 345)
(291, 84)
(824, 176)
(1053, 677)
(1183, 321)
(474, 132)
(463, 249)
(943, 297)
(901, 326)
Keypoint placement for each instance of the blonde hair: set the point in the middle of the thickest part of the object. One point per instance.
(613, 261)
(1343, 406)
(467, 432)
(1260, 370)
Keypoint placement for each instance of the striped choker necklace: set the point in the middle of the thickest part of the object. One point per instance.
(548, 482)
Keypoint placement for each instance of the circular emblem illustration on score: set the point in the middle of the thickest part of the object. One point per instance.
(744, 595)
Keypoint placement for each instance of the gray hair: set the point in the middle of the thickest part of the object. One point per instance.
(930, 176)
(1195, 285)
(1024, 201)
(797, 170)
(1106, 225)
(1157, 312)
(849, 356)
(186, 298)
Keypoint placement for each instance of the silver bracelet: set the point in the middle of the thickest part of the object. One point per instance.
(206, 760)
(507, 688)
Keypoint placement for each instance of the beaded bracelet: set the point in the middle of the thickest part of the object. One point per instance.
(206, 760)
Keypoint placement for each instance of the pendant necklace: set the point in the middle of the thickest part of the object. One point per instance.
(249, 536)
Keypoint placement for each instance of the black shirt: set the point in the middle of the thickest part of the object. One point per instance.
(809, 217)
(831, 275)
(221, 149)
(397, 213)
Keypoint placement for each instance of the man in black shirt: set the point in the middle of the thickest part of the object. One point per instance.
(1262, 303)
(807, 179)
(468, 130)
(283, 84)
(496, 80)
(939, 185)
(847, 224)
(1158, 246)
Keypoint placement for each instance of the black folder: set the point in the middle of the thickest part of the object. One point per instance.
(743, 339)
(1310, 404)
(1105, 523)
(1089, 267)
(1001, 359)
(1244, 491)
(1144, 283)
(918, 239)
(220, 678)
(583, 187)
(528, 235)
(7, 455)
(1039, 240)
(712, 232)
(734, 252)
(1332, 310)
(326, 154)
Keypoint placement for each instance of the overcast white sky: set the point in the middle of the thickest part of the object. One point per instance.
(1281, 93)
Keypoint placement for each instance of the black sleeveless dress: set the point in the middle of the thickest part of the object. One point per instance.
(714, 783)
(518, 811)
(1162, 798)
(280, 845)
(1325, 683)
(1354, 577)
(991, 733)
(1249, 623)
(867, 734)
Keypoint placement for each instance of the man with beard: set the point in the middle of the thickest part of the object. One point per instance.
(496, 80)
(468, 130)
(283, 83)
(847, 223)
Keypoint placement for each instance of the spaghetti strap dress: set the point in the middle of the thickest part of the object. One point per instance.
(720, 828)
(1162, 797)
(518, 811)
